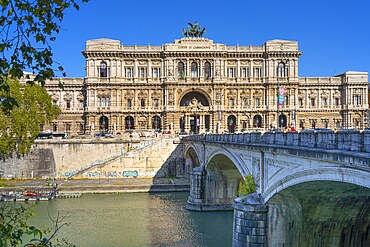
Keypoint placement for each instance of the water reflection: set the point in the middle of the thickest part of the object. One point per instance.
(137, 219)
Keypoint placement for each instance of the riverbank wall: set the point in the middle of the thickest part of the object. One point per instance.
(97, 159)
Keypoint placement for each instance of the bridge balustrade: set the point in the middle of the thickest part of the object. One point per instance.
(348, 140)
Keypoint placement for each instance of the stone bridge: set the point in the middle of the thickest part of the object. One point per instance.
(287, 167)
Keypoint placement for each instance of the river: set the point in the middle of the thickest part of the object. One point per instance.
(136, 220)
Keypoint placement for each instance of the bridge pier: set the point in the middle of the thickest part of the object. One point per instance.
(196, 197)
(212, 190)
(250, 222)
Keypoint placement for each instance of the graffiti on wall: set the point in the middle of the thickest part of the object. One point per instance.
(118, 174)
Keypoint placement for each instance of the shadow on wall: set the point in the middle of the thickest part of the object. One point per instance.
(174, 166)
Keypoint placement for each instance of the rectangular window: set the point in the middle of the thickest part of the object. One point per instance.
(300, 102)
(142, 103)
(336, 101)
(357, 100)
(231, 102)
(231, 72)
(68, 104)
(81, 127)
(142, 72)
(245, 103)
(244, 72)
(325, 102)
(68, 127)
(103, 102)
(312, 102)
(81, 104)
(156, 103)
(129, 73)
(156, 73)
(55, 127)
(129, 103)
(258, 102)
(257, 72)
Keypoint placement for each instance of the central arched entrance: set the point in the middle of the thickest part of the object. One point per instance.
(195, 118)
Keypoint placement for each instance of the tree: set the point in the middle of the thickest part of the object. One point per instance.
(26, 29)
(15, 231)
(20, 126)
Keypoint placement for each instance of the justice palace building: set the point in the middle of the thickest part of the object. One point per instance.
(196, 86)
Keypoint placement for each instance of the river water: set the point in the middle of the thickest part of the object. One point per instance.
(136, 219)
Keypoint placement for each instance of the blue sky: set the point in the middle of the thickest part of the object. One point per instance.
(334, 35)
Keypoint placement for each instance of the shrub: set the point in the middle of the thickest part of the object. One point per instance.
(247, 186)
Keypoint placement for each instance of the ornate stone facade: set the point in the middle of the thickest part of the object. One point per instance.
(196, 85)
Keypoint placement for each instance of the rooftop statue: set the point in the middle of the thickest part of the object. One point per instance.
(194, 30)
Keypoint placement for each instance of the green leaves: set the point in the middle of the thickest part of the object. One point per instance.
(14, 228)
(31, 106)
(26, 28)
(248, 186)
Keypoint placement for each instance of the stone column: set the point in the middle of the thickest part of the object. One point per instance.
(250, 222)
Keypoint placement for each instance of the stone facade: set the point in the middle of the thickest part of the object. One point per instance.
(196, 85)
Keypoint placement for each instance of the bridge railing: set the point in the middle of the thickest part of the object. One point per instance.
(348, 140)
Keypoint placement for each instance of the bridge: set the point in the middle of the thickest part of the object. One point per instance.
(291, 170)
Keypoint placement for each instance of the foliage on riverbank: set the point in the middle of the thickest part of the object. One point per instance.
(247, 186)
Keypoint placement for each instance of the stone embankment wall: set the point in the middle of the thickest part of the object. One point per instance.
(104, 158)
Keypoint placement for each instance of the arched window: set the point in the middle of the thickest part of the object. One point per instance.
(129, 123)
(281, 70)
(257, 121)
(282, 121)
(103, 69)
(207, 70)
(194, 70)
(231, 123)
(104, 123)
(181, 70)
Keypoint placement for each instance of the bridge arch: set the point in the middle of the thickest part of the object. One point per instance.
(192, 158)
(222, 180)
(334, 174)
(239, 164)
